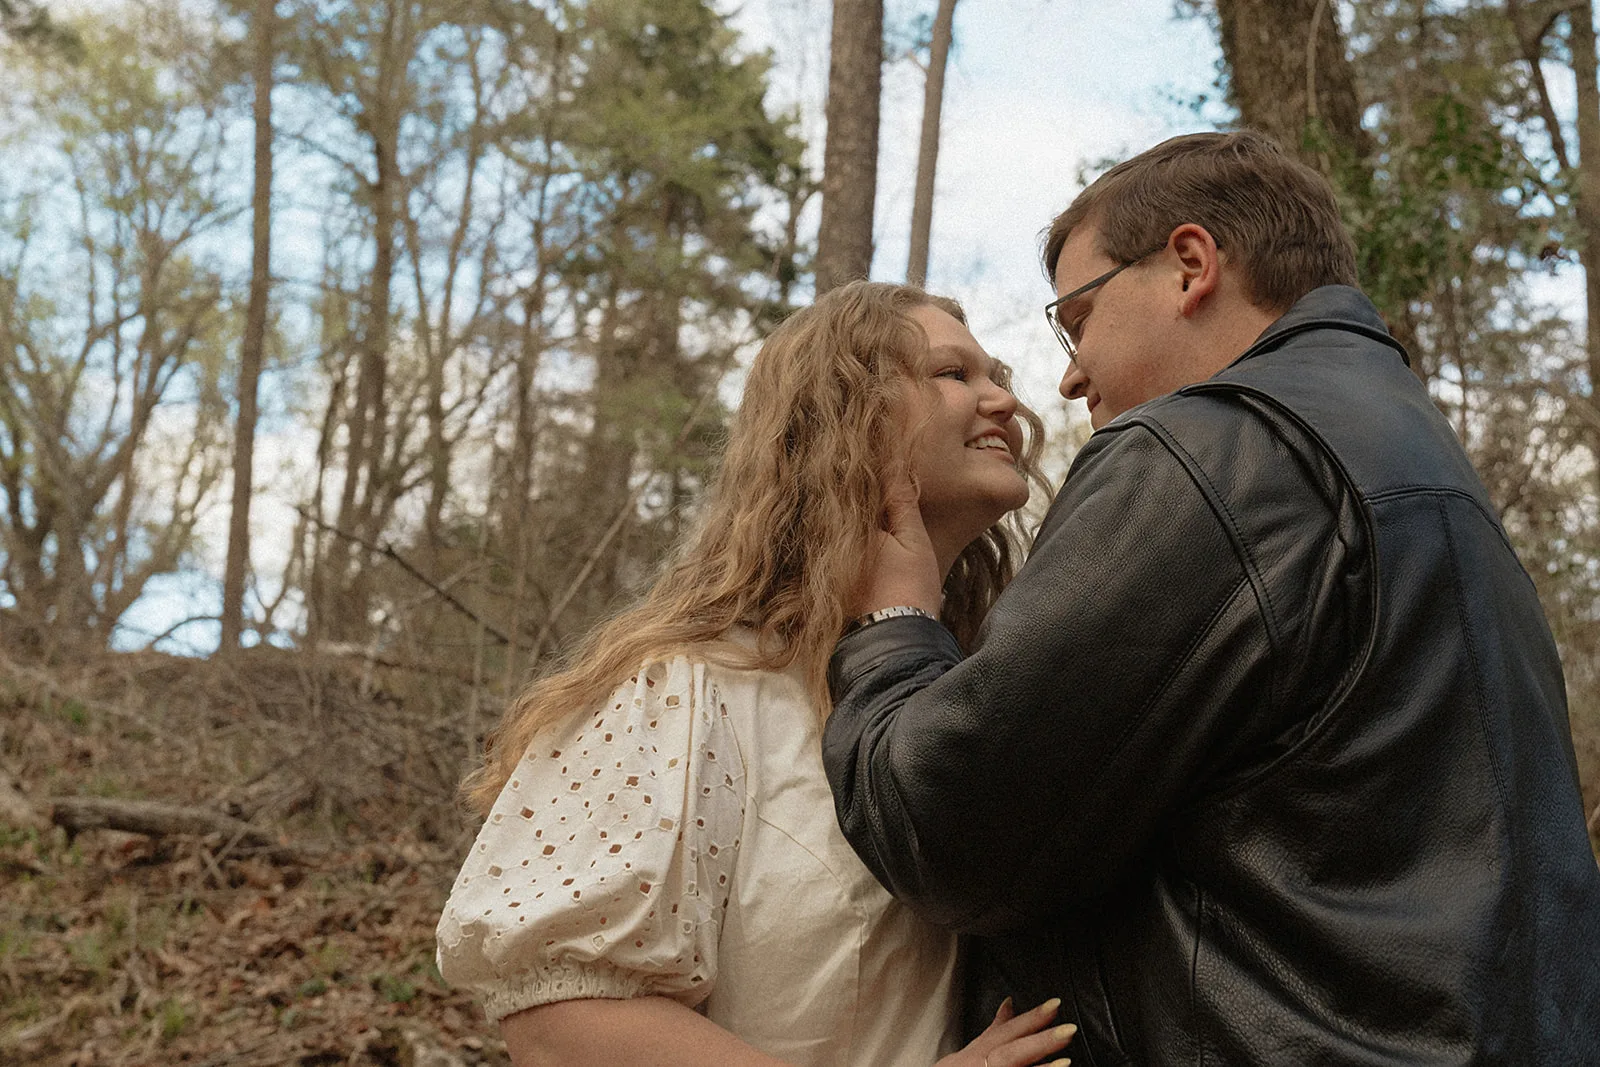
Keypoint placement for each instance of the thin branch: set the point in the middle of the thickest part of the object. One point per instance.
(1311, 61)
(1530, 34)
(386, 549)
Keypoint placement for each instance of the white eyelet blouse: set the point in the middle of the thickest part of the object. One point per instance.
(680, 841)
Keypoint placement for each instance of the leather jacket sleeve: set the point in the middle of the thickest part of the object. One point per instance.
(1135, 661)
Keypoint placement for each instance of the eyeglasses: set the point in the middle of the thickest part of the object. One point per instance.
(1064, 334)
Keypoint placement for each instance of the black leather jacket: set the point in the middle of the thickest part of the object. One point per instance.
(1264, 755)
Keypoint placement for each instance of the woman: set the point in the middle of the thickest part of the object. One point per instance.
(672, 845)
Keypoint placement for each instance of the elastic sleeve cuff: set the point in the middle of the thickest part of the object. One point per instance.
(557, 982)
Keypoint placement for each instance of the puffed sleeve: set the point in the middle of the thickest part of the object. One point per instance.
(604, 868)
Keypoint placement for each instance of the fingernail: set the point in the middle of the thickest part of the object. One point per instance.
(1052, 1004)
(1066, 1030)
(1004, 1004)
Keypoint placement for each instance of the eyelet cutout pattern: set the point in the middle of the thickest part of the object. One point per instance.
(604, 868)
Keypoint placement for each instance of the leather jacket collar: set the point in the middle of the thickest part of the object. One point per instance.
(1337, 307)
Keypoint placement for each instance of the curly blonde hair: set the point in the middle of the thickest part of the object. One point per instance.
(787, 522)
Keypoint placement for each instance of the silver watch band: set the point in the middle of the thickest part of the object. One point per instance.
(897, 612)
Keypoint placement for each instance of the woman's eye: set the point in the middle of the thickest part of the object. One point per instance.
(958, 373)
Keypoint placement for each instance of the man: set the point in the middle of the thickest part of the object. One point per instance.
(1264, 755)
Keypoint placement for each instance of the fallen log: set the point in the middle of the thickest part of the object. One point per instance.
(154, 819)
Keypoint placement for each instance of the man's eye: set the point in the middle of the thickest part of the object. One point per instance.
(1075, 331)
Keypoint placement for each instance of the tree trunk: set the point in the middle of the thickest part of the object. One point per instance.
(1588, 191)
(368, 437)
(1277, 50)
(612, 444)
(1290, 77)
(928, 151)
(1531, 22)
(850, 158)
(255, 335)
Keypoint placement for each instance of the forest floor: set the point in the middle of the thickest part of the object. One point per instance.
(129, 949)
(125, 949)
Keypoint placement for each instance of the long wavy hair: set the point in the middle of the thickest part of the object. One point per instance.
(780, 541)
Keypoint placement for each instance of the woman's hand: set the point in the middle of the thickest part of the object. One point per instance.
(1014, 1040)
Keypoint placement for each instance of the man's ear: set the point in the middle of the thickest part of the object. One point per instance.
(1200, 262)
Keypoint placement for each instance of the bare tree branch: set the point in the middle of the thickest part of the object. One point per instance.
(386, 549)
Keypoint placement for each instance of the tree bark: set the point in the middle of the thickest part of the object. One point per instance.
(255, 336)
(1587, 194)
(1277, 50)
(361, 508)
(1532, 23)
(1291, 77)
(928, 151)
(850, 157)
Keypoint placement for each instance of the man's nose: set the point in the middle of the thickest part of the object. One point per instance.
(1074, 383)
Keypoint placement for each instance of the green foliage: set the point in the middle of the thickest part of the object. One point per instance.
(394, 990)
(73, 711)
(16, 944)
(1437, 188)
(29, 24)
(172, 1018)
(90, 951)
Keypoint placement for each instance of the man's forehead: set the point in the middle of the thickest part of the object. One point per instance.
(1080, 258)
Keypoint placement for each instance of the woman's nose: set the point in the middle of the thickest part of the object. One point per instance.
(998, 401)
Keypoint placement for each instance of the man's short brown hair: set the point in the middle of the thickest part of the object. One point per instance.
(1274, 218)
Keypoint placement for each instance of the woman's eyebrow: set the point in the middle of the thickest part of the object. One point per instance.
(966, 352)
(975, 356)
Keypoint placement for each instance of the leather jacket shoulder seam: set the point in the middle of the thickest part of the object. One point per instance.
(1401, 492)
(1230, 523)
(1471, 646)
